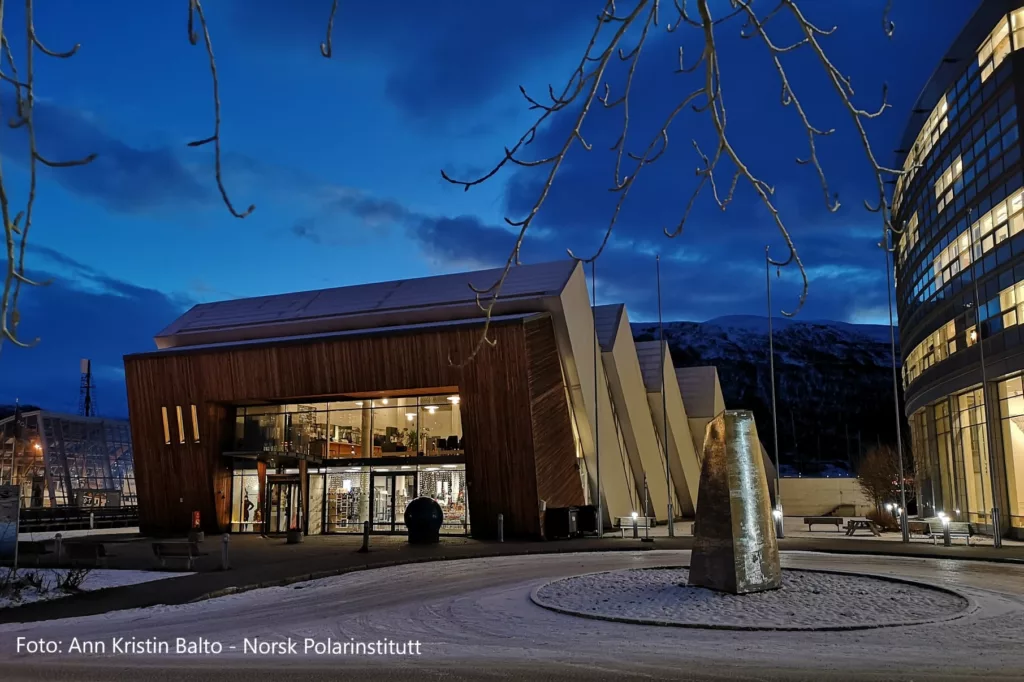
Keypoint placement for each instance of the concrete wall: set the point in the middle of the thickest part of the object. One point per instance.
(637, 426)
(589, 408)
(817, 496)
(684, 462)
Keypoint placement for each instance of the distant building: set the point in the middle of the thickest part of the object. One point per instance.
(323, 410)
(960, 274)
(63, 460)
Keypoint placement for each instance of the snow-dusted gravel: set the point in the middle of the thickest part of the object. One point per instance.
(808, 600)
(475, 620)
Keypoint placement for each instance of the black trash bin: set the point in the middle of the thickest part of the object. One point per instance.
(586, 519)
(561, 523)
(423, 518)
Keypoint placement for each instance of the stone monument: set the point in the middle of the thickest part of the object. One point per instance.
(735, 549)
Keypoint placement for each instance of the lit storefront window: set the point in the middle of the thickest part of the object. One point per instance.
(1011, 412)
(969, 430)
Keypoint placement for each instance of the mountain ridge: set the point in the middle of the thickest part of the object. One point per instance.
(834, 387)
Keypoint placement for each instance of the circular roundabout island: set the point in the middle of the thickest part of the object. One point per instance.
(807, 600)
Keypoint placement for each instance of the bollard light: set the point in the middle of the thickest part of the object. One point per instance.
(635, 515)
(779, 530)
(636, 531)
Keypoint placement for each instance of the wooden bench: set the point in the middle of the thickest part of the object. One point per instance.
(93, 552)
(177, 550)
(853, 525)
(642, 523)
(957, 529)
(824, 521)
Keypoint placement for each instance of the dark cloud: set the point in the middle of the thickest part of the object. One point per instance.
(123, 178)
(443, 57)
(83, 313)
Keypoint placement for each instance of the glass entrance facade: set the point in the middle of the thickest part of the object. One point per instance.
(365, 461)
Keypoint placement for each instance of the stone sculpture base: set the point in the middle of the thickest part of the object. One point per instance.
(735, 549)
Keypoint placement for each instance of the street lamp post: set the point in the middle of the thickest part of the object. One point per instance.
(780, 530)
(886, 245)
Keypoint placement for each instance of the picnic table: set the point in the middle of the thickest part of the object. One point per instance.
(853, 525)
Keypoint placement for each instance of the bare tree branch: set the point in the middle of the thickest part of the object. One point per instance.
(708, 100)
(325, 47)
(195, 8)
(16, 229)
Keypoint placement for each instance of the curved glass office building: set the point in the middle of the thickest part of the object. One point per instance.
(960, 275)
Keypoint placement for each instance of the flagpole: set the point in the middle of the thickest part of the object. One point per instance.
(597, 404)
(664, 402)
(780, 530)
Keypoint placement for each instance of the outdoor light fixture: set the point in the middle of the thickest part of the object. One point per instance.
(944, 519)
(635, 515)
(777, 513)
(888, 507)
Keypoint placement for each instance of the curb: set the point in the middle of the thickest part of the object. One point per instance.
(291, 580)
(971, 608)
(901, 555)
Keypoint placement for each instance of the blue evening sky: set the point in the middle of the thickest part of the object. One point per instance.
(342, 156)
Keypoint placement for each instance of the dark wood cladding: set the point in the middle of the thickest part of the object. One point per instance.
(558, 476)
(519, 444)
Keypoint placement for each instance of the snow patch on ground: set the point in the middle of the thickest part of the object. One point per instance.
(97, 579)
(808, 600)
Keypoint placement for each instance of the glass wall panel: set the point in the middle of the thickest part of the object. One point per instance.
(246, 516)
(950, 492)
(400, 426)
(1011, 412)
(346, 500)
(447, 485)
(440, 425)
(970, 431)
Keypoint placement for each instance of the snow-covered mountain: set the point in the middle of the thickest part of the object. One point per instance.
(834, 388)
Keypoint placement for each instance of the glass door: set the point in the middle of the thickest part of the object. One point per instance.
(382, 492)
(390, 494)
(284, 507)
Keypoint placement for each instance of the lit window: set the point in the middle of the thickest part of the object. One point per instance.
(195, 424)
(167, 428)
(181, 425)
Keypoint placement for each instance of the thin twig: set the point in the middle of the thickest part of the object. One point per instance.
(195, 7)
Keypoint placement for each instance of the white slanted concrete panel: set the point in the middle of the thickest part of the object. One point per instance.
(701, 391)
(684, 463)
(577, 337)
(629, 396)
(702, 396)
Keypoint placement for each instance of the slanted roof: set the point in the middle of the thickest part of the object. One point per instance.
(701, 391)
(412, 301)
(606, 323)
(651, 355)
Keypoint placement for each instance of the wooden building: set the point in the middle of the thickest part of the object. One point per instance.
(318, 411)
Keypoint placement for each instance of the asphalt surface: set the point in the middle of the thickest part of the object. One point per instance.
(474, 621)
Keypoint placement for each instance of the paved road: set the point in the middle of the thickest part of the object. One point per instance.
(474, 620)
